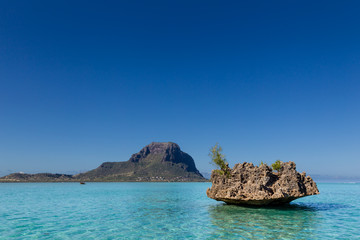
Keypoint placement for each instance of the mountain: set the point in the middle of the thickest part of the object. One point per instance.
(155, 162)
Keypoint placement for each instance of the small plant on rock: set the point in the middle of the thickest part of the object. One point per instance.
(277, 165)
(218, 159)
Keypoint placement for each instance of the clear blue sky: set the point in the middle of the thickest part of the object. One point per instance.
(83, 82)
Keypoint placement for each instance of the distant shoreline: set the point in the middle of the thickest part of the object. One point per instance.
(105, 181)
(318, 181)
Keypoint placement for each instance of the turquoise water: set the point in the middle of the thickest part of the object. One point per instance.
(169, 211)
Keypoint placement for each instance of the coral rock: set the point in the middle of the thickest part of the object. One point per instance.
(253, 185)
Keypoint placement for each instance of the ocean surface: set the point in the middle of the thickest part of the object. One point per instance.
(169, 211)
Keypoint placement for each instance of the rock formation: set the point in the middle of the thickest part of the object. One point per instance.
(253, 185)
(155, 162)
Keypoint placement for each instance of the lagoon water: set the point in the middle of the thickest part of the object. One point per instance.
(169, 211)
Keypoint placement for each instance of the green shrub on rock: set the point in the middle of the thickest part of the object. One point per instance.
(277, 165)
(218, 159)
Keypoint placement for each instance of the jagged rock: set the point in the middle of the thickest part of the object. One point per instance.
(253, 185)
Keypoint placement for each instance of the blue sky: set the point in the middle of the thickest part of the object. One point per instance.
(83, 82)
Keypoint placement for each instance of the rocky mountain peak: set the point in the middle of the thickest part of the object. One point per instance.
(162, 147)
(159, 148)
(165, 152)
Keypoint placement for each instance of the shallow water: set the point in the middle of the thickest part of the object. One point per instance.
(169, 211)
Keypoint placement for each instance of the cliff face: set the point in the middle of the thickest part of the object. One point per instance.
(155, 162)
(166, 152)
(252, 185)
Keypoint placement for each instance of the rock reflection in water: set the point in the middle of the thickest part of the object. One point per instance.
(285, 222)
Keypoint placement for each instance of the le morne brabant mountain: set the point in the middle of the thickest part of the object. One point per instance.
(155, 162)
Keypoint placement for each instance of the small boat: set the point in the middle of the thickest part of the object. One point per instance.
(82, 182)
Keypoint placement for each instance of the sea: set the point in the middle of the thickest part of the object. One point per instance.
(169, 211)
